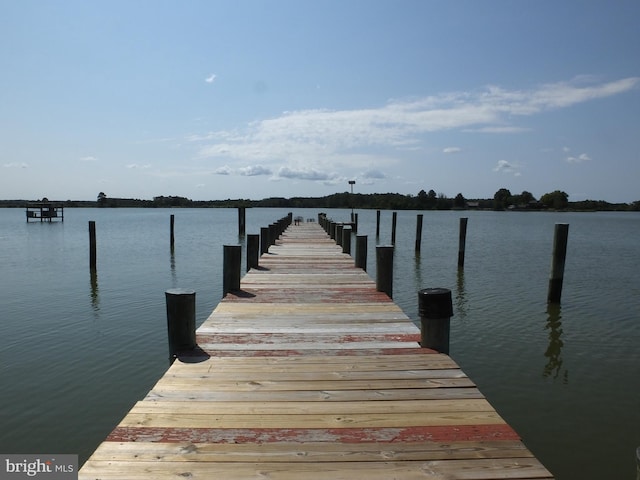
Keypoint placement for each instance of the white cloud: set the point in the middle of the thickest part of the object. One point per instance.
(377, 174)
(583, 157)
(254, 170)
(134, 166)
(16, 165)
(211, 78)
(224, 170)
(88, 158)
(503, 166)
(308, 143)
(452, 150)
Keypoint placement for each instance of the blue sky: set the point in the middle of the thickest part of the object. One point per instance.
(252, 99)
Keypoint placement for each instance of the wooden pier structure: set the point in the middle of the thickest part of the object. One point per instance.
(44, 211)
(308, 372)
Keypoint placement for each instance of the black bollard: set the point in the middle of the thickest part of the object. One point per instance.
(231, 268)
(435, 308)
(181, 320)
(384, 269)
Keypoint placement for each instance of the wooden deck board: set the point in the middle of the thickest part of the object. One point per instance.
(308, 372)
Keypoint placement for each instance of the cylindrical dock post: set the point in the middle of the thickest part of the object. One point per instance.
(435, 308)
(560, 236)
(339, 229)
(242, 221)
(181, 320)
(264, 240)
(253, 251)
(231, 268)
(92, 244)
(355, 224)
(332, 230)
(394, 221)
(361, 252)
(384, 269)
(377, 223)
(418, 232)
(172, 220)
(346, 240)
(462, 241)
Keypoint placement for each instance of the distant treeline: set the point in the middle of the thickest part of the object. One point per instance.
(502, 200)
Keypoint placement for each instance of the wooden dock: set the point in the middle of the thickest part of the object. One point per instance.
(309, 373)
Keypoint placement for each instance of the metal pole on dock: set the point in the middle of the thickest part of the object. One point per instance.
(181, 320)
(361, 252)
(462, 241)
(394, 221)
(231, 268)
(419, 232)
(435, 308)
(346, 240)
(171, 228)
(92, 244)
(560, 236)
(253, 251)
(384, 269)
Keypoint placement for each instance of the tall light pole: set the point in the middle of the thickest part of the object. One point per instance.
(352, 183)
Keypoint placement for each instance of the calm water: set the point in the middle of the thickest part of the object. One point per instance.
(78, 350)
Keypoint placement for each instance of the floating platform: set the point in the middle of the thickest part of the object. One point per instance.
(308, 372)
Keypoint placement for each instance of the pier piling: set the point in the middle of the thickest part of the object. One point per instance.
(231, 269)
(92, 245)
(559, 256)
(462, 241)
(418, 232)
(435, 308)
(181, 320)
(253, 251)
(384, 269)
(361, 252)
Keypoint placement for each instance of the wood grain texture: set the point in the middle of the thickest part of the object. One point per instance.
(308, 372)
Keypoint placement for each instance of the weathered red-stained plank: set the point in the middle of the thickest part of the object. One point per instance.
(467, 433)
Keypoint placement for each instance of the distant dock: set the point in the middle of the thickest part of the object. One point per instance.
(308, 372)
(44, 212)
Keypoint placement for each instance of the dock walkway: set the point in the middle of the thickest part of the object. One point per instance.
(309, 373)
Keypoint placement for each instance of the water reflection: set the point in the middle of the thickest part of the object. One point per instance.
(95, 294)
(554, 368)
(461, 296)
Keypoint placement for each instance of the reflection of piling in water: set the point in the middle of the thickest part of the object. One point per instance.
(554, 350)
(557, 262)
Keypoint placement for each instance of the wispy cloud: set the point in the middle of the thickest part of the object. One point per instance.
(135, 166)
(503, 166)
(89, 158)
(211, 78)
(452, 150)
(306, 144)
(583, 157)
(16, 165)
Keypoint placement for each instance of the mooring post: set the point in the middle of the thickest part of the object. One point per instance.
(435, 308)
(92, 244)
(419, 232)
(171, 229)
(355, 224)
(242, 221)
(332, 230)
(462, 241)
(559, 256)
(377, 223)
(253, 251)
(394, 221)
(181, 320)
(384, 269)
(264, 240)
(361, 252)
(273, 234)
(339, 229)
(346, 240)
(231, 268)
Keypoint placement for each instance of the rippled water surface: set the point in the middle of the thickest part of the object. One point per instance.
(79, 349)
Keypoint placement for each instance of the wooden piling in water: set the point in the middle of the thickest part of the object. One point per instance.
(355, 224)
(462, 241)
(346, 240)
(418, 232)
(242, 221)
(231, 268)
(253, 251)
(171, 231)
(435, 308)
(339, 229)
(377, 223)
(384, 269)
(181, 320)
(561, 234)
(394, 221)
(361, 252)
(92, 244)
